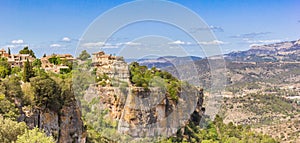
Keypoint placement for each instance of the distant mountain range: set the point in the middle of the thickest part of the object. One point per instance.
(288, 51)
(165, 61)
(275, 63)
(283, 51)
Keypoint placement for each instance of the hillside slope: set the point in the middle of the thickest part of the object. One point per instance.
(261, 76)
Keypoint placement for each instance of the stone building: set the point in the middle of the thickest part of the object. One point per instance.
(113, 66)
(16, 60)
(100, 58)
(48, 66)
(3, 53)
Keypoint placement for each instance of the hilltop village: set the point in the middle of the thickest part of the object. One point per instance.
(54, 62)
(58, 63)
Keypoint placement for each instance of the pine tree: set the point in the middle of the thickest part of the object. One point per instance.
(84, 55)
(26, 50)
(9, 51)
(27, 71)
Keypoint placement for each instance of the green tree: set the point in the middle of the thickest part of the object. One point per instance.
(12, 87)
(9, 51)
(10, 130)
(37, 63)
(84, 55)
(28, 92)
(141, 76)
(7, 108)
(26, 50)
(218, 132)
(16, 70)
(67, 63)
(27, 71)
(47, 92)
(4, 67)
(3, 72)
(35, 136)
(54, 60)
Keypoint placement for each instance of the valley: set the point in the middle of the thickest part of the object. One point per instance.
(262, 88)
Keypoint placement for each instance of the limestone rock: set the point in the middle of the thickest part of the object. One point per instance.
(65, 126)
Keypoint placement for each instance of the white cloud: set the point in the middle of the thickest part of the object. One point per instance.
(214, 42)
(95, 44)
(178, 42)
(66, 39)
(263, 41)
(55, 45)
(132, 44)
(128, 44)
(254, 43)
(19, 41)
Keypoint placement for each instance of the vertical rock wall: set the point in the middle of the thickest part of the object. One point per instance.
(65, 125)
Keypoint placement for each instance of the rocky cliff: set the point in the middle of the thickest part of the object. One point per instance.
(124, 110)
(149, 112)
(65, 125)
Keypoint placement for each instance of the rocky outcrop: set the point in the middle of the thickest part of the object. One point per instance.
(140, 112)
(149, 112)
(65, 125)
(152, 113)
(71, 125)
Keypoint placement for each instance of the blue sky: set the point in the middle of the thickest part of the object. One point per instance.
(55, 26)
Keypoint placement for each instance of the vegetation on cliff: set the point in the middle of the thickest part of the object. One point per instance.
(218, 132)
(141, 76)
(12, 131)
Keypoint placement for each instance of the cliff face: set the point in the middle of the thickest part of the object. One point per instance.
(149, 112)
(65, 125)
(141, 112)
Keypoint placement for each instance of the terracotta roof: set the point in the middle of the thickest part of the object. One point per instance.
(64, 55)
(104, 56)
(100, 52)
(3, 50)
